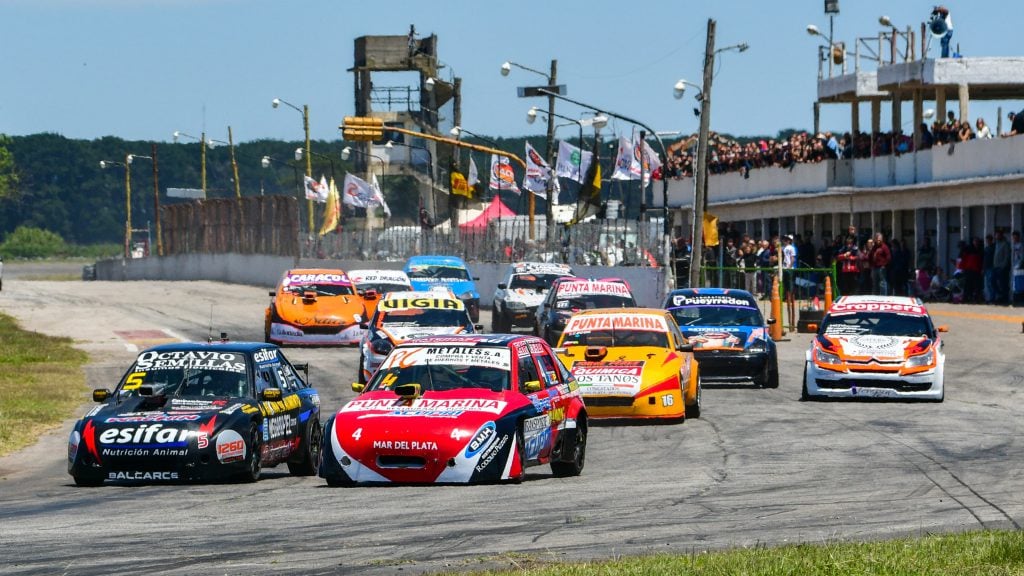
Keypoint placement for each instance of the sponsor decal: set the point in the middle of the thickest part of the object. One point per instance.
(541, 268)
(73, 443)
(482, 439)
(490, 453)
(405, 445)
(432, 303)
(617, 378)
(290, 279)
(196, 404)
(588, 288)
(711, 300)
(378, 276)
(208, 359)
(230, 446)
(500, 358)
(425, 406)
(592, 322)
(265, 355)
(531, 426)
(146, 436)
(278, 427)
(139, 475)
(154, 417)
(840, 308)
(290, 402)
(715, 340)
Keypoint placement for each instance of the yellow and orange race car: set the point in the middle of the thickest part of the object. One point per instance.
(631, 363)
(316, 307)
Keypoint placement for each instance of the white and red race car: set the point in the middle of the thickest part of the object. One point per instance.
(876, 347)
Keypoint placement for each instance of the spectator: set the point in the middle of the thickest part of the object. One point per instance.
(788, 270)
(926, 254)
(971, 265)
(899, 269)
(983, 132)
(880, 257)
(864, 265)
(1001, 269)
(927, 139)
(942, 13)
(987, 258)
(849, 270)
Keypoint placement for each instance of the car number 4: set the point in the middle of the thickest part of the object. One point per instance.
(357, 434)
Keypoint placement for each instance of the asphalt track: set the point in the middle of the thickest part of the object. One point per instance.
(759, 468)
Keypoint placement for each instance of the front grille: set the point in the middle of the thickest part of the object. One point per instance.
(400, 461)
(608, 400)
(898, 385)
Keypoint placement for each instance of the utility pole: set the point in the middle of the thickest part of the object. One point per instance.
(550, 211)
(700, 199)
(156, 204)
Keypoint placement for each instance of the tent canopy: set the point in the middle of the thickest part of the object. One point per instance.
(497, 209)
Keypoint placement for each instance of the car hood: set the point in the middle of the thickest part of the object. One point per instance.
(324, 311)
(525, 295)
(724, 337)
(399, 334)
(875, 346)
(624, 371)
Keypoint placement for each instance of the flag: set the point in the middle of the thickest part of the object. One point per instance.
(651, 163)
(332, 213)
(459, 185)
(378, 195)
(572, 162)
(538, 173)
(356, 192)
(589, 201)
(474, 174)
(624, 162)
(315, 190)
(710, 229)
(502, 175)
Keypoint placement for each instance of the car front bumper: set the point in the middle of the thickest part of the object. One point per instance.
(924, 386)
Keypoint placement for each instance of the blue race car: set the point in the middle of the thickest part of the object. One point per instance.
(729, 334)
(426, 272)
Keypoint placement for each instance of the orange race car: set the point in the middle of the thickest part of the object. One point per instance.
(314, 306)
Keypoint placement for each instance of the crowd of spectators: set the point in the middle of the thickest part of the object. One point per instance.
(727, 155)
(982, 272)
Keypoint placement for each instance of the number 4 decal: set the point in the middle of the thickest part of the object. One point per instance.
(357, 433)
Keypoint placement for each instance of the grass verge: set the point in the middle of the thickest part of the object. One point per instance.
(41, 383)
(985, 553)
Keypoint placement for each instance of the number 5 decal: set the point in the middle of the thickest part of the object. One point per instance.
(133, 381)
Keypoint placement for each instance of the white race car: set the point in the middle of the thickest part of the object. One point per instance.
(876, 347)
(523, 287)
(402, 316)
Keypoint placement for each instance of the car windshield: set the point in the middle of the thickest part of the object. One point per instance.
(414, 317)
(438, 271)
(592, 301)
(717, 316)
(882, 324)
(320, 289)
(533, 281)
(442, 368)
(188, 373)
(616, 337)
(383, 287)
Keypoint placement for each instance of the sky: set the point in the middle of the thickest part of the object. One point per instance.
(142, 69)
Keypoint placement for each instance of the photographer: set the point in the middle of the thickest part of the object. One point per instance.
(942, 13)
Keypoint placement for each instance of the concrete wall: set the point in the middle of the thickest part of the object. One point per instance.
(259, 270)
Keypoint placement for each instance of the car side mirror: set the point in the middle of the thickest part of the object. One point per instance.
(302, 366)
(685, 347)
(100, 394)
(478, 327)
(358, 388)
(476, 278)
(770, 321)
(272, 293)
(943, 328)
(533, 386)
(563, 350)
(408, 391)
(502, 286)
(271, 395)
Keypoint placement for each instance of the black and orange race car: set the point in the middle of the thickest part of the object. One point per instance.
(314, 306)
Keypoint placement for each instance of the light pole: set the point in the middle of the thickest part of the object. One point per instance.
(664, 155)
(551, 78)
(234, 164)
(276, 102)
(127, 165)
(202, 147)
(299, 153)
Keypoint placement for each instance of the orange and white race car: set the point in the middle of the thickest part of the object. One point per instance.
(314, 306)
(632, 363)
(876, 347)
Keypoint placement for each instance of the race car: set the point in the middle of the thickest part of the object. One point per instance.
(426, 272)
(876, 347)
(371, 285)
(521, 291)
(729, 335)
(570, 295)
(202, 411)
(632, 363)
(404, 315)
(459, 409)
(314, 306)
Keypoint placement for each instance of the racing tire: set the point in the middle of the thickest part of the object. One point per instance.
(88, 480)
(804, 395)
(574, 465)
(497, 322)
(520, 447)
(340, 481)
(693, 410)
(254, 464)
(310, 450)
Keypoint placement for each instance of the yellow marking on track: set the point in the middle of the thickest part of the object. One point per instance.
(977, 316)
